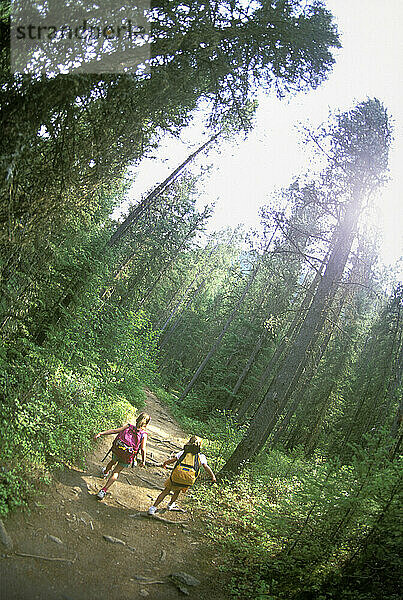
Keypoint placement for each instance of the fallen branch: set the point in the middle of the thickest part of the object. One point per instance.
(70, 560)
(121, 504)
(158, 487)
(30, 524)
(168, 520)
(158, 518)
(168, 442)
(176, 509)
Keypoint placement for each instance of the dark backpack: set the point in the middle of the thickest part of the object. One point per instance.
(127, 444)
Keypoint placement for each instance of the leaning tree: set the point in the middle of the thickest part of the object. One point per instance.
(358, 157)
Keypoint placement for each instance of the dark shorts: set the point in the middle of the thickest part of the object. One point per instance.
(119, 461)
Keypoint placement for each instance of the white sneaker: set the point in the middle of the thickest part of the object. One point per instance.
(152, 510)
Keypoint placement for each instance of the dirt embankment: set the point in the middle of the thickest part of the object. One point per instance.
(66, 528)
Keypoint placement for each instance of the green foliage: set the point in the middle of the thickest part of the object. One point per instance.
(77, 346)
(58, 396)
(14, 489)
(293, 529)
(219, 429)
(71, 137)
(289, 528)
(86, 325)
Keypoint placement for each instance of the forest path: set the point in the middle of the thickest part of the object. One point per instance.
(69, 524)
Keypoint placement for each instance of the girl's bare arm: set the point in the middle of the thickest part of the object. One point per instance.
(210, 472)
(143, 449)
(109, 431)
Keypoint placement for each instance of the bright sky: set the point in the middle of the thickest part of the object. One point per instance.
(245, 173)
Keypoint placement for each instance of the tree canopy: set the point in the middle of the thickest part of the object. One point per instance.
(282, 349)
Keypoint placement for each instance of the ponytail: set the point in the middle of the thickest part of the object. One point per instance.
(142, 420)
(193, 445)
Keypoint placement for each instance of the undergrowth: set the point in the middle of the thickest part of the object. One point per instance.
(291, 528)
(56, 397)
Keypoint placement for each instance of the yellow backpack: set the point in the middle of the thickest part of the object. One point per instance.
(186, 470)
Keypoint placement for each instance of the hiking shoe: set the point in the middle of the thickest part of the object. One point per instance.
(152, 510)
(173, 506)
(101, 494)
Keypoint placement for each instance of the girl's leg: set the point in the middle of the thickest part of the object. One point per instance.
(174, 497)
(114, 475)
(161, 497)
(110, 465)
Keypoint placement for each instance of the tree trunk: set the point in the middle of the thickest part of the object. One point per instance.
(224, 328)
(162, 326)
(246, 336)
(307, 380)
(164, 338)
(194, 273)
(295, 358)
(171, 260)
(248, 365)
(144, 204)
(289, 336)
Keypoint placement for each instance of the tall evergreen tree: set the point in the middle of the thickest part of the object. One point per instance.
(359, 146)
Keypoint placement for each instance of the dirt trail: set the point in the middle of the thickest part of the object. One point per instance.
(68, 523)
